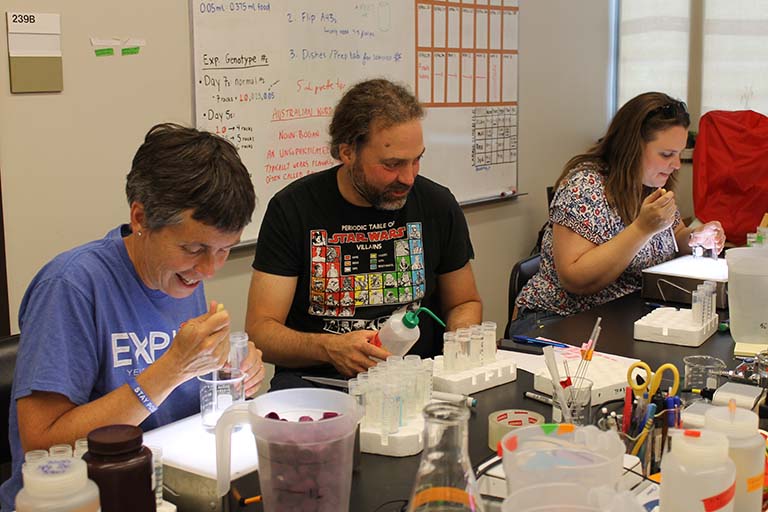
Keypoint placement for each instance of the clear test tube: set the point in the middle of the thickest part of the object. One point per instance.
(427, 367)
(489, 344)
(476, 340)
(373, 397)
(712, 286)
(707, 303)
(60, 450)
(396, 370)
(81, 448)
(450, 350)
(696, 307)
(414, 383)
(752, 240)
(390, 408)
(462, 356)
(362, 385)
(238, 348)
(157, 474)
(35, 455)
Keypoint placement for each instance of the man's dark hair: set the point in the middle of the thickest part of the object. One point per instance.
(179, 168)
(374, 101)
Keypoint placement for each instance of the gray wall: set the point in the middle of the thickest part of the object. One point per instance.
(51, 144)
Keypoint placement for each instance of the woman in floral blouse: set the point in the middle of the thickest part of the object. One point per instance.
(614, 214)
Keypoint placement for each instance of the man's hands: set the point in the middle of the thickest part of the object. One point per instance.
(202, 344)
(657, 212)
(351, 353)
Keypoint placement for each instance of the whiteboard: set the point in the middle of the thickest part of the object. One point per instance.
(268, 73)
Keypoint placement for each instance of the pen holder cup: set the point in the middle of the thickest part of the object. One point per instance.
(552, 453)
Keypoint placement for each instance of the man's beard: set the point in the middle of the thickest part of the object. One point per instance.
(379, 199)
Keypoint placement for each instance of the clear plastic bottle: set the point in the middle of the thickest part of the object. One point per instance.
(698, 474)
(57, 484)
(746, 450)
(445, 480)
(238, 348)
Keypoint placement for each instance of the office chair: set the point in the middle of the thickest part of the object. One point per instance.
(521, 273)
(9, 346)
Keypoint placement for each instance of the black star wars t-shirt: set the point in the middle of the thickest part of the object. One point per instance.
(357, 265)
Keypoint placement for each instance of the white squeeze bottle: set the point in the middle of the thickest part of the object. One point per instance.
(746, 450)
(697, 475)
(401, 331)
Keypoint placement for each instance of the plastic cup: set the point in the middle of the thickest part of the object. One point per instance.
(217, 394)
(701, 371)
(579, 397)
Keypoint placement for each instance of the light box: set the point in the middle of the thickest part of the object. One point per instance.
(189, 461)
(663, 281)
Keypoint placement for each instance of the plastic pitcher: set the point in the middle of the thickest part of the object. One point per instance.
(569, 497)
(748, 293)
(552, 453)
(299, 462)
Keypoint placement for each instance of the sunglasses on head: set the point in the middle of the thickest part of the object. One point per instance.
(669, 110)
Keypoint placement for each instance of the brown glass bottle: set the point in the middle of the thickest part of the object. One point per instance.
(121, 467)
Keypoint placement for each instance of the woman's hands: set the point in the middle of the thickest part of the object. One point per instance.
(657, 212)
(709, 236)
(202, 344)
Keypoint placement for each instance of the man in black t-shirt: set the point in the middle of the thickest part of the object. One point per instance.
(342, 249)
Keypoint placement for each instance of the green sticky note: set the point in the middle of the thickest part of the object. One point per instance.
(104, 52)
(133, 50)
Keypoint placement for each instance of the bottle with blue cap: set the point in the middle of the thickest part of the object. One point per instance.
(401, 331)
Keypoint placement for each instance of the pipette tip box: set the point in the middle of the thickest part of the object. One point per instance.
(674, 327)
(472, 380)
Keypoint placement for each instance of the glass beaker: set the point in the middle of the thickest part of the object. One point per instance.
(445, 480)
(702, 372)
(219, 390)
(579, 398)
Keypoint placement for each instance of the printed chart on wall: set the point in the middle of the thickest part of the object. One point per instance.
(268, 74)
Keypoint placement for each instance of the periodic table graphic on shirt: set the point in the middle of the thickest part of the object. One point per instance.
(347, 272)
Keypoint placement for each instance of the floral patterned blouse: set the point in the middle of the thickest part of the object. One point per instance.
(580, 204)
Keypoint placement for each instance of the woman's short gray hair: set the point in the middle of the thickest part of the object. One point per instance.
(179, 168)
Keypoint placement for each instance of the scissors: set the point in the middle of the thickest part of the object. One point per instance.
(652, 379)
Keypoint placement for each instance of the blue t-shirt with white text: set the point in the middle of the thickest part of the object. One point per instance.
(87, 323)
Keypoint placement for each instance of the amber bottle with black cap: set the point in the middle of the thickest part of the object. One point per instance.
(121, 467)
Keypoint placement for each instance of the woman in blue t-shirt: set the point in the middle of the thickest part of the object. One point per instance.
(116, 330)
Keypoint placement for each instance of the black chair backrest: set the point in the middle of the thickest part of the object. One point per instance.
(521, 273)
(9, 346)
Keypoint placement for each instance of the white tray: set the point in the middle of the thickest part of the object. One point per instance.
(674, 327)
(466, 382)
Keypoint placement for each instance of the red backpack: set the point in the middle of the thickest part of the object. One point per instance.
(730, 171)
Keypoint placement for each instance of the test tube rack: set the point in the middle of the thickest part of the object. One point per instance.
(472, 380)
(408, 440)
(674, 327)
